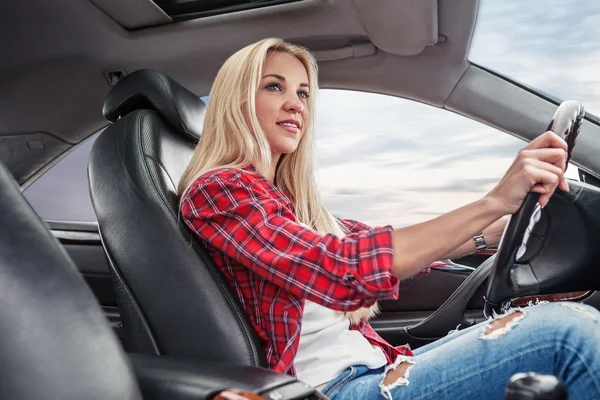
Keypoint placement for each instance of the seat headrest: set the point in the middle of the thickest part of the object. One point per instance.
(148, 89)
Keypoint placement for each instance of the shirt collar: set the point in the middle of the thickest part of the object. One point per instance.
(270, 186)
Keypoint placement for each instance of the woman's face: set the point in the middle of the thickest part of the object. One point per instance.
(282, 102)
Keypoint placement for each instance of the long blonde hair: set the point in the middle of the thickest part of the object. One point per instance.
(232, 136)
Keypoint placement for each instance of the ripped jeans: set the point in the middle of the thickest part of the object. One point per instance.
(561, 339)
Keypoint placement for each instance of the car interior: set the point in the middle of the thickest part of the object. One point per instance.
(132, 306)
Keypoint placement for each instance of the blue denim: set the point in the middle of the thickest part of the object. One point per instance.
(561, 339)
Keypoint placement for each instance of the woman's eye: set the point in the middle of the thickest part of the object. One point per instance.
(303, 94)
(273, 86)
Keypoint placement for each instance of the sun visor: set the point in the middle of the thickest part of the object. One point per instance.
(401, 27)
(133, 14)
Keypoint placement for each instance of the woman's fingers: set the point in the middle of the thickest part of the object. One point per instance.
(552, 168)
(551, 148)
(552, 159)
(538, 168)
(548, 139)
(558, 157)
(546, 182)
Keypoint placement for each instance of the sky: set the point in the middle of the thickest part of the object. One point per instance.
(416, 162)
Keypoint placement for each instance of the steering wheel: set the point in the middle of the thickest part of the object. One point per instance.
(566, 123)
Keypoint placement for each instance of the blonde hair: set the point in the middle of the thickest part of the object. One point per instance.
(232, 136)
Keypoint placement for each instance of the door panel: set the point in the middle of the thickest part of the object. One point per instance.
(82, 241)
(428, 292)
(391, 325)
(92, 263)
(418, 297)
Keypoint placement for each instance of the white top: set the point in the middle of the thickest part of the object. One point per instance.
(328, 346)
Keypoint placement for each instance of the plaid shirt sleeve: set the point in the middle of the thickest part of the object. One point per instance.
(356, 226)
(240, 219)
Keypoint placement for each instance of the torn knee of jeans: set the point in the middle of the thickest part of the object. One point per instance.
(501, 326)
(450, 332)
(585, 310)
(395, 375)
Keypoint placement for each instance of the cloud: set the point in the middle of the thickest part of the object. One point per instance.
(471, 185)
(550, 45)
(508, 149)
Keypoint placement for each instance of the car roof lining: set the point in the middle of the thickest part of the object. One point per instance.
(52, 79)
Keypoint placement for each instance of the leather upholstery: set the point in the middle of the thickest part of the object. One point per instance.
(54, 340)
(174, 378)
(173, 299)
(148, 89)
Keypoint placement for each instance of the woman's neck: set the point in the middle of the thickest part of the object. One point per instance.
(270, 174)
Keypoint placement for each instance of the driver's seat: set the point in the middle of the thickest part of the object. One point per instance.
(173, 299)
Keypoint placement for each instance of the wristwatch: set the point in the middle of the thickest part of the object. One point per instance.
(479, 242)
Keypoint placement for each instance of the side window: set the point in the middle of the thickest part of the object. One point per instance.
(386, 160)
(62, 193)
(382, 160)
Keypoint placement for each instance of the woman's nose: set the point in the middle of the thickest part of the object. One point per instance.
(293, 105)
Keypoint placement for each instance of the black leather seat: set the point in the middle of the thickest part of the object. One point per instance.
(173, 299)
(54, 340)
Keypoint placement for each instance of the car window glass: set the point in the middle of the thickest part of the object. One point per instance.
(382, 160)
(386, 160)
(62, 193)
(550, 45)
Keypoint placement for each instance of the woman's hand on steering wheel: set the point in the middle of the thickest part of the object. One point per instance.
(539, 168)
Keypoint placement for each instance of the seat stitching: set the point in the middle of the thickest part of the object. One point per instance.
(172, 101)
(157, 162)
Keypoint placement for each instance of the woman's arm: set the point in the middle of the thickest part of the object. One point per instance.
(234, 214)
(538, 168)
(491, 234)
(245, 223)
(417, 246)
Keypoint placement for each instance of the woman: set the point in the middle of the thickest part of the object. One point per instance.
(309, 282)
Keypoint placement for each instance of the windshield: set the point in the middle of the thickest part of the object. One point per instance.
(552, 46)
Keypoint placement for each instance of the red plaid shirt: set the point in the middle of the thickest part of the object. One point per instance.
(273, 262)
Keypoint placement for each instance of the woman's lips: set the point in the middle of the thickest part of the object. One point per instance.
(289, 127)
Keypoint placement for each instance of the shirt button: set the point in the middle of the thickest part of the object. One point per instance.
(349, 277)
